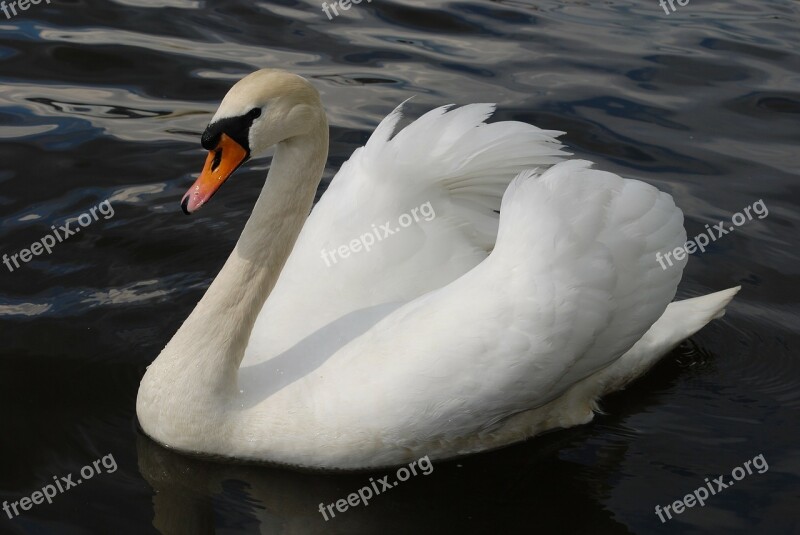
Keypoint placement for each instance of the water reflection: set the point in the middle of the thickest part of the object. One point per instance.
(193, 495)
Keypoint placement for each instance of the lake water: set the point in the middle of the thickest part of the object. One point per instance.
(107, 100)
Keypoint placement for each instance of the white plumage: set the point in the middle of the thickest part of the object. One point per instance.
(457, 333)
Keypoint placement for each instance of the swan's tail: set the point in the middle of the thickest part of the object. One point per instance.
(680, 320)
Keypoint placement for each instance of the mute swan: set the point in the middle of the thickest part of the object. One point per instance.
(452, 334)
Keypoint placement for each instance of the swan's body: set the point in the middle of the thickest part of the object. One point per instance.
(448, 336)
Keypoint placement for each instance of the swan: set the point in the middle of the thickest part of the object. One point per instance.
(529, 290)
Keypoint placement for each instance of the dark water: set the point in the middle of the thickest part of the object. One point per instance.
(106, 100)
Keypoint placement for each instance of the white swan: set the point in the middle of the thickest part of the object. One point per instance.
(454, 333)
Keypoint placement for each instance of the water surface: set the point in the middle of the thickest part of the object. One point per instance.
(107, 99)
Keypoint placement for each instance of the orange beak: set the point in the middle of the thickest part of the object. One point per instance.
(220, 164)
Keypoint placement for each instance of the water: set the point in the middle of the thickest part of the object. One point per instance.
(107, 100)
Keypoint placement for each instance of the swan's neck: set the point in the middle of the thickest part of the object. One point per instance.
(204, 355)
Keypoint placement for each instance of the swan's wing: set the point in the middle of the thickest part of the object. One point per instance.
(573, 282)
(410, 212)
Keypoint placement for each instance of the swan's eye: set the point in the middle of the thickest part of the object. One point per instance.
(254, 113)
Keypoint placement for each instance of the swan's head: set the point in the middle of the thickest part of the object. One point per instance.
(262, 109)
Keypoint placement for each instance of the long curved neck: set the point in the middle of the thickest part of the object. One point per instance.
(212, 340)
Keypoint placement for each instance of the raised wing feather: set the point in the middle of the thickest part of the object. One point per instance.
(450, 161)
